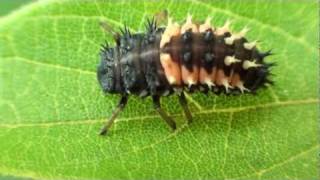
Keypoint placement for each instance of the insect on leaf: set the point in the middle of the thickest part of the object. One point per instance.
(51, 106)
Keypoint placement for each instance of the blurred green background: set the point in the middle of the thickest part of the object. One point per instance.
(6, 6)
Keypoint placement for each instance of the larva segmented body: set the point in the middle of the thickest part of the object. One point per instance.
(176, 58)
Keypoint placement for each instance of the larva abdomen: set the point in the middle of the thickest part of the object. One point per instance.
(213, 57)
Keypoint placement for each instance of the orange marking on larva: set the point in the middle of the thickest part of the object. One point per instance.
(225, 28)
(223, 80)
(233, 37)
(206, 26)
(235, 79)
(171, 69)
(189, 25)
(206, 78)
(203, 76)
(241, 87)
(190, 78)
(220, 77)
(172, 29)
(214, 74)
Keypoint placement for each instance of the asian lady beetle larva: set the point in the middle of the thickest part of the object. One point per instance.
(176, 58)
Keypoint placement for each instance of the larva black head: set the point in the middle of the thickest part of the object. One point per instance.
(129, 67)
(107, 72)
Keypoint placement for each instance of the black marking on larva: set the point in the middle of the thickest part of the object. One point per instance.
(198, 48)
(230, 50)
(186, 50)
(240, 53)
(220, 51)
(187, 57)
(208, 58)
(208, 36)
(133, 66)
(187, 37)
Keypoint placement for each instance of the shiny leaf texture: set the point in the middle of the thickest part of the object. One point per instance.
(51, 107)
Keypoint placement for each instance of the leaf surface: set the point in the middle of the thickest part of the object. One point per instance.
(51, 106)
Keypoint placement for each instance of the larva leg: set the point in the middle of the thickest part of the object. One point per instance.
(122, 103)
(110, 30)
(184, 104)
(163, 114)
(161, 17)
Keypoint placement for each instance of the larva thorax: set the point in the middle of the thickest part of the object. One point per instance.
(135, 68)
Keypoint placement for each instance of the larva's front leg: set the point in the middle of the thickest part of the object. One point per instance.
(122, 103)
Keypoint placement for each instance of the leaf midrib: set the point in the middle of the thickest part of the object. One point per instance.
(207, 111)
(258, 173)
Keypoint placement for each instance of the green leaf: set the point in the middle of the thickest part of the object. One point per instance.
(6, 6)
(51, 107)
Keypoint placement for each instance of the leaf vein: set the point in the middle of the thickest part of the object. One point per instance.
(227, 110)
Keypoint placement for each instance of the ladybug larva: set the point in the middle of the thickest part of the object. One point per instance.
(173, 59)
